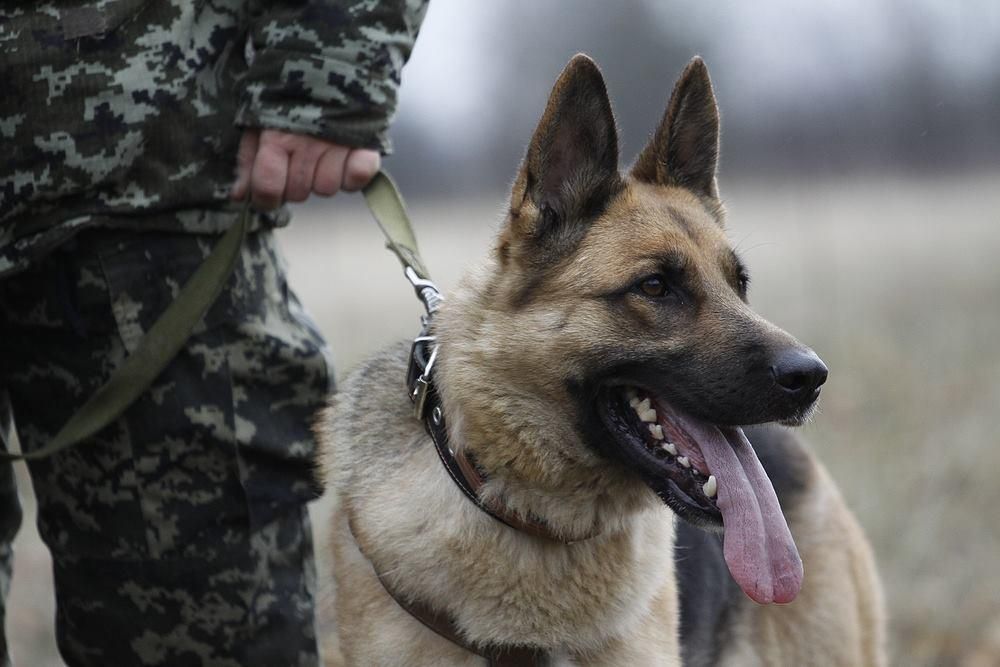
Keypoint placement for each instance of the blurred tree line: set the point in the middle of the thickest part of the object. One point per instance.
(805, 89)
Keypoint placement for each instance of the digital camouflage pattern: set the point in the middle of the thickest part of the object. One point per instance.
(120, 112)
(179, 534)
(180, 531)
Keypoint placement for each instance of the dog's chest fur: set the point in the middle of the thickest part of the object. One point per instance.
(499, 585)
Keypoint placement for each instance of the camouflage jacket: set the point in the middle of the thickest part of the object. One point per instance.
(127, 113)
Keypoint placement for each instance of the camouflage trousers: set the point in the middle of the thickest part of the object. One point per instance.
(179, 534)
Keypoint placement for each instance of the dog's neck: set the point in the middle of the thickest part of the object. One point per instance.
(541, 469)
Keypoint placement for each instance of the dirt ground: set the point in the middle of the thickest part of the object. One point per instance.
(894, 281)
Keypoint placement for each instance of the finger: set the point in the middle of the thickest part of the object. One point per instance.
(330, 171)
(302, 169)
(361, 166)
(270, 174)
(244, 163)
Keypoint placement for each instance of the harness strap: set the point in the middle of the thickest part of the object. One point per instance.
(505, 655)
(155, 350)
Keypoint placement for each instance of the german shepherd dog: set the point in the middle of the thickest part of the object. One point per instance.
(602, 371)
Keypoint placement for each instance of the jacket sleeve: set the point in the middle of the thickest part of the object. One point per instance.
(329, 68)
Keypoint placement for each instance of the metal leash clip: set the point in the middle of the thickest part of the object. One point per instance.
(426, 290)
(423, 354)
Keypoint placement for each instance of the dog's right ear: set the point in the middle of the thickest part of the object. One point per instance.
(571, 167)
(684, 151)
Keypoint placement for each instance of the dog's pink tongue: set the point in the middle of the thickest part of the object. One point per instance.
(758, 546)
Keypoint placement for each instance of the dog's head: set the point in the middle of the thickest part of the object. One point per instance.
(622, 305)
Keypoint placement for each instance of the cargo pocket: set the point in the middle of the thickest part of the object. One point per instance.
(183, 430)
(282, 375)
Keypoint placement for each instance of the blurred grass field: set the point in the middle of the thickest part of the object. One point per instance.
(894, 281)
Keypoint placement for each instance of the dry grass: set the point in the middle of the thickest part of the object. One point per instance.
(896, 283)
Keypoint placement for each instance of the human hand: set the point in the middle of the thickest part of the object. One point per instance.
(277, 166)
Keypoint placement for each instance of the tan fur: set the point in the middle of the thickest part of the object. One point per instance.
(562, 596)
(513, 339)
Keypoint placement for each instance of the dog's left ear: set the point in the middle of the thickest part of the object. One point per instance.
(685, 149)
(571, 167)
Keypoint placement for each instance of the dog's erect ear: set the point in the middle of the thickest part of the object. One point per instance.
(571, 168)
(685, 149)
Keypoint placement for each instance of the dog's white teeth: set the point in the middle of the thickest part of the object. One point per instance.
(684, 461)
(644, 409)
(710, 487)
(633, 402)
(657, 431)
(670, 447)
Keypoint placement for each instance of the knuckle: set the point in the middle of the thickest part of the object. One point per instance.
(325, 187)
(328, 179)
(268, 188)
(297, 184)
(295, 187)
(303, 172)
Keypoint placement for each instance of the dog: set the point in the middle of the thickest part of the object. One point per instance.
(598, 378)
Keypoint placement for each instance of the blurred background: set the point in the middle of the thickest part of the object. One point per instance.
(860, 170)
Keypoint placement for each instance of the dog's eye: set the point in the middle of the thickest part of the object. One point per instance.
(744, 281)
(654, 286)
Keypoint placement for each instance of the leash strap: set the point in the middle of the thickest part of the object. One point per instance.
(389, 211)
(387, 207)
(497, 655)
(155, 350)
(173, 328)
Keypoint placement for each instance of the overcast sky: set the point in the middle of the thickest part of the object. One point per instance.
(482, 69)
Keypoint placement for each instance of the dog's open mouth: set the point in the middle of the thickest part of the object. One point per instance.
(709, 475)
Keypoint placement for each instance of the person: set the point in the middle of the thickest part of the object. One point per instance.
(180, 533)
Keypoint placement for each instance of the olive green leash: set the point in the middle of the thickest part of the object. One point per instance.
(171, 331)
(389, 211)
(155, 349)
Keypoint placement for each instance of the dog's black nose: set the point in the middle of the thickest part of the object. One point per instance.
(798, 371)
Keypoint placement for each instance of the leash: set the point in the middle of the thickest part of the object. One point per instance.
(173, 328)
(155, 349)
(389, 211)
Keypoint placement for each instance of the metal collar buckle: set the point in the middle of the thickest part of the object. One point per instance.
(421, 372)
